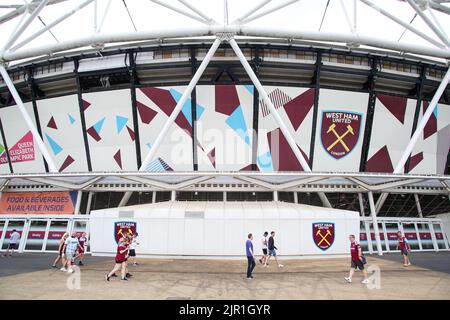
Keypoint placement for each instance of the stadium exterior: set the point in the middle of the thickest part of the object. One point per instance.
(192, 118)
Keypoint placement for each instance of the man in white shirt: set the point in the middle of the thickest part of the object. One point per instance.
(69, 250)
(14, 240)
(263, 259)
(134, 242)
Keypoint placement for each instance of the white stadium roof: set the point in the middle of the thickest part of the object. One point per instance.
(406, 27)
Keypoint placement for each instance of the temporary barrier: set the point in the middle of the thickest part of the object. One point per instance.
(41, 233)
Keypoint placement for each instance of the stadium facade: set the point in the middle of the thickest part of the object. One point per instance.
(175, 137)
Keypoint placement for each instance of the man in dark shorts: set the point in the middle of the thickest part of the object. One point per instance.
(356, 260)
(14, 240)
(404, 247)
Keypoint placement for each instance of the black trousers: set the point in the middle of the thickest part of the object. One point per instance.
(251, 265)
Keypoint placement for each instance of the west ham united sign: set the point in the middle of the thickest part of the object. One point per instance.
(340, 132)
(123, 228)
(323, 234)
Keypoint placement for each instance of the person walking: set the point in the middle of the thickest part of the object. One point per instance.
(14, 240)
(404, 247)
(356, 260)
(121, 260)
(70, 248)
(82, 248)
(60, 251)
(264, 248)
(250, 256)
(134, 243)
(272, 250)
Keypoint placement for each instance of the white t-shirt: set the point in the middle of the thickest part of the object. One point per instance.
(264, 242)
(133, 244)
(71, 245)
(15, 237)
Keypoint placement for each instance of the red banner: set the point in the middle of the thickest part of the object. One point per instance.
(38, 202)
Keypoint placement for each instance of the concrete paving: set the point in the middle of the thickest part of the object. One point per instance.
(27, 276)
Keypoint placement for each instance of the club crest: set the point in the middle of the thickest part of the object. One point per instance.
(323, 234)
(123, 228)
(340, 132)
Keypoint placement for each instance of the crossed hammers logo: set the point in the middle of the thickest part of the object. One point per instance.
(339, 137)
(120, 232)
(324, 237)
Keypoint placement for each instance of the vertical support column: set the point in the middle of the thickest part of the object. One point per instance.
(275, 196)
(433, 237)
(295, 197)
(78, 203)
(5, 228)
(419, 91)
(133, 82)
(193, 61)
(47, 230)
(153, 196)
(375, 223)
(419, 208)
(316, 83)
(27, 119)
(418, 236)
(224, 196)
(444, 236)
(2, 132)
(361, 204)
(24, 236)
(32, 87)
(386, 239)
(89, 202)
(370, 86)
(369, 237)
(83, 120)
(256, 64)
(173, 195)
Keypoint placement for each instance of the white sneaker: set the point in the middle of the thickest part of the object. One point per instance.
(280, 266)
(365, 281)
(349, 280)
(265, 265)
(409, 264)
(70, 271)
(63, 269)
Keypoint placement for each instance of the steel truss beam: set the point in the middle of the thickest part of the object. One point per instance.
(208, 30)
(248, 181)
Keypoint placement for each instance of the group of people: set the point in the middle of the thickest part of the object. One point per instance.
(71, 247)
(268, 248)
(357, 258)
(126, 249)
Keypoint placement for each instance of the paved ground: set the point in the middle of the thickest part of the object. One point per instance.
(28, 277)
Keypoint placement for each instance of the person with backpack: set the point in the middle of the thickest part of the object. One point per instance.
(404, 247)
(357, 260)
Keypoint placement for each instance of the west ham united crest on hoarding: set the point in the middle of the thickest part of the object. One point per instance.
(323, 234)
(340, 132)
(123, 228)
